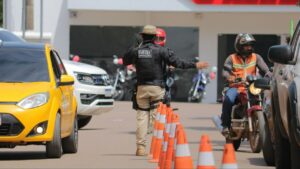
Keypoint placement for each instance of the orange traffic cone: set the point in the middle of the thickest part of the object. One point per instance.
(205, 158)
(163, 152)
(159, 137)
(229, 161)
(183, 158)
(153, 141)
(171, 142)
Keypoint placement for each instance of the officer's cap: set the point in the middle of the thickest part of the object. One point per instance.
(149, 30)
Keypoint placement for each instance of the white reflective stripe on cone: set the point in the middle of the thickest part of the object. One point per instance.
(162, 119)
(168, 128)
(165, 147)
(160, 134)
(155, 133)
(229, 166)
(173, 130)
(157, 117)
(182, 150)
(206, 159)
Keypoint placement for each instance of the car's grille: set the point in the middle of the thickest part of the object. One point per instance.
(10, 125)
(90, 98)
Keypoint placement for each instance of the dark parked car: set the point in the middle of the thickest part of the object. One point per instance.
(8, 36)
(285, 87)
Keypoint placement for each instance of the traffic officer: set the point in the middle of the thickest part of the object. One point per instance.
(150, 61)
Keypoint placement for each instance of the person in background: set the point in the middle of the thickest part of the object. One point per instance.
(150, 61)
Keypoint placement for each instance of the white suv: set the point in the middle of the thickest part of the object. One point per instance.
(93, 90)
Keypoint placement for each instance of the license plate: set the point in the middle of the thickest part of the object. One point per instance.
(107, 92)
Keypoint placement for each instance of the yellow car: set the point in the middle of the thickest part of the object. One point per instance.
(37, 105)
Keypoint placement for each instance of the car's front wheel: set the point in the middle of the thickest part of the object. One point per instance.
(54, 147)
(83, 121)
(70, 143)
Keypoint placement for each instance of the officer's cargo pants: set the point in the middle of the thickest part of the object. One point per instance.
(145, 95)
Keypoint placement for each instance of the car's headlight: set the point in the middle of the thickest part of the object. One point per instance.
(93, 79)
(84, 78)
(254, 90)
(33, 101)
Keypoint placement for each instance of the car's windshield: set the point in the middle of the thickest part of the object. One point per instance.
(23, 65)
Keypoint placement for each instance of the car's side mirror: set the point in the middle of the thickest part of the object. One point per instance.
(262, 84)
(66, 80)
(280, 54)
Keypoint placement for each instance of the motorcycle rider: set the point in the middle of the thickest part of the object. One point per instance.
(238, 65)
(150, 60)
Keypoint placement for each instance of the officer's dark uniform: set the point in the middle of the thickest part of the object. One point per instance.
(150, 61)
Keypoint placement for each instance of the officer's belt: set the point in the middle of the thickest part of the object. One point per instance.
(160, 83)
(153, 105)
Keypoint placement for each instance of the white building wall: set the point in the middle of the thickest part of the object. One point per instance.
(210, 26)
(57, 22)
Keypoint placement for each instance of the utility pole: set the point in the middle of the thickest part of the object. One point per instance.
(23, 18)
(41, 21)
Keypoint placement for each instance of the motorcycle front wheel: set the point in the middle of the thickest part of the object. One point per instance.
(119, 93)
(257, 135)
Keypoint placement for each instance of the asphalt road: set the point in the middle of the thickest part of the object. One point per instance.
(109, 142)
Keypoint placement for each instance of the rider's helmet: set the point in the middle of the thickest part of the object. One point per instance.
(160, 37)
(242, 40)
(76, 58)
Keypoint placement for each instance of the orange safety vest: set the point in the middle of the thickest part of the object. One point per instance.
(241, 68)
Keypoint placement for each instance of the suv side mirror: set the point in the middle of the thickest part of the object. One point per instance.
(262, 83)
(280, 54)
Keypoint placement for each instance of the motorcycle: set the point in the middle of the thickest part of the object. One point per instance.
(247, 120)
(200, 80)
(118, 80)
(123, 81)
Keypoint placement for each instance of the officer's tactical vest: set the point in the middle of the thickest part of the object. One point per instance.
(149, 65)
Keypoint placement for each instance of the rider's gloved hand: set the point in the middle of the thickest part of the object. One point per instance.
(231, 79)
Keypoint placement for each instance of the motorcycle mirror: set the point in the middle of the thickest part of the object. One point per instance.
(262, 83)
(214, 69)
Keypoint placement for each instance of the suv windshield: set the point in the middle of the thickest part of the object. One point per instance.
(23, 65)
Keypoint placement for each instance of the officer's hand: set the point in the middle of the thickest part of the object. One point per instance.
(201, 65)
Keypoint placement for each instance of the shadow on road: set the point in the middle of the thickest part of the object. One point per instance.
(202, 128)
(257, 161)
(129, 132)
(119, 155)
(201, 118)
(92, 129)
(20, 155)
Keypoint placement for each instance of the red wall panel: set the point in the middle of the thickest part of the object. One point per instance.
(246, 2)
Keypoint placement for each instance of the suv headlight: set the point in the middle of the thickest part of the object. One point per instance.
(254, 90)
(33, 101)
(93, 79)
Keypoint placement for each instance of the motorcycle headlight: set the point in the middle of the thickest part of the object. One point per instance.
(33, 101)
(254, 90)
